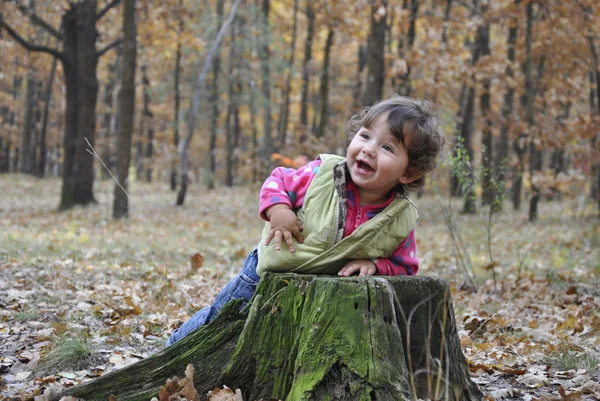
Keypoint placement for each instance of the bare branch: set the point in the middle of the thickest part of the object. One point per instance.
(109, 46)
(106, 8)
(28, 45)
(38, 21)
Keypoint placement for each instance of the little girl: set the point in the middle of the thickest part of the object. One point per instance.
(347, 215)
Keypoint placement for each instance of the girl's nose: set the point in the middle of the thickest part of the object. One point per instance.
(368, 149)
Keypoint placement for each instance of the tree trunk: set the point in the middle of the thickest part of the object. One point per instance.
(4, 155)
(357, 89)
(324, 87)
(375, 53)
(310, 33)
(27, 149)
(487, 158)
(405, 87)
(466, 133)
(214, 104)
(148, 125)
(41, 168)
(109, 125)
(126, 110)
(232, 107)
(266, 81)
(316, 337)
(502, 157)
(529, 109)
(285, 108)
(81, 81)
(177, 73)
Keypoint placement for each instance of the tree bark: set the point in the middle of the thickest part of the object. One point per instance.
(126, 110)
(324, 87)
(529, 110)
(357, 89)
(265, 52)
(214, 101)
(405, 87)
(79, 47)
(41, 167)
(177, 94)
(27, 149)
(487, 158)
(502, 147)
(316, 337)
(310, 33)
(375, 53)
(285, 108)
(148, 126)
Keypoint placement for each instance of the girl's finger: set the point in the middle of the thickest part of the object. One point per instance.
(269, 237)
(289, 239)
(278, 236)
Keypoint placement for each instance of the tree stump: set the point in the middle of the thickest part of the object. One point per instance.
(307, 337)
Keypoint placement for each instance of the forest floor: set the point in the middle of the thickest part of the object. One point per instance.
(78, 286)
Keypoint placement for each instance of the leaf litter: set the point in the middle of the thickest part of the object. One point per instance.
(124, 286)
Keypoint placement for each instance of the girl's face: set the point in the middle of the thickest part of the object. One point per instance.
(377, 161)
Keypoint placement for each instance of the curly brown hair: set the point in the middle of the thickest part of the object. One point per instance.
(415, 125)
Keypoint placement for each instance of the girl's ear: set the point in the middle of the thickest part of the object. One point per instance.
(410, 175)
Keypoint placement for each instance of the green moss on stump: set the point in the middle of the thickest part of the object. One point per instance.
(307, 337)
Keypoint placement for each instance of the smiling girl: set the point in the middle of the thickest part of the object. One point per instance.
(341, 215)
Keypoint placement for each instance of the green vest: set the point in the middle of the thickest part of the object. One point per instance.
(323, 212)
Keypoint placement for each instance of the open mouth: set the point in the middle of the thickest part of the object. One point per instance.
(364, 167)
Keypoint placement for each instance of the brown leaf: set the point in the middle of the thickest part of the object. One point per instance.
(568, 397)
(189, 391)
(112, 398)
(490, 266)
(514, 371)
(572, 290)
(196, 261)
(171, 387)
(224, 394)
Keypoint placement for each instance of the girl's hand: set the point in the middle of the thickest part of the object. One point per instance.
(366, 267)
(284, 224)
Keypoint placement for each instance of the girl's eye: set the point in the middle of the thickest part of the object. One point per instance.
(364, 135)
(388, 148)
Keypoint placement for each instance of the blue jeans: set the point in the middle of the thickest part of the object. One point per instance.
(241, 286)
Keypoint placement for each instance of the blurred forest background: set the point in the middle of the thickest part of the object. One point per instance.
(517, 84)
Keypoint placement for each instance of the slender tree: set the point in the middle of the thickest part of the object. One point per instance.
(502, 147)
(41, 167)
(177, 92)
(126, 110)
(324, 86)
(310, 33)
(214, 105)
(375, 52)
(265, 53)
(285, 107)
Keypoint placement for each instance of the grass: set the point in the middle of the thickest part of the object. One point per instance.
(27, 315)
(574, 360)
(71, 354)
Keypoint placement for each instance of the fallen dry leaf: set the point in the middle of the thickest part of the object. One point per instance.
(188, 391)
(225, 394)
